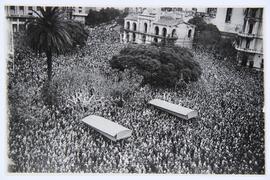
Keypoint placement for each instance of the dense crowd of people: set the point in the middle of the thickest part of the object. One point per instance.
(227, 137)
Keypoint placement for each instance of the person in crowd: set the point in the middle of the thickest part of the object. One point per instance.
(228, 136)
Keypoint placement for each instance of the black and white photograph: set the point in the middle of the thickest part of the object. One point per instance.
(135, 89)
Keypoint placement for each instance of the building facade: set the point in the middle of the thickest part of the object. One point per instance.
(228, 20)
(80, 14)
(18, 15)
(155, 26)
(250, 39)
(245, 24)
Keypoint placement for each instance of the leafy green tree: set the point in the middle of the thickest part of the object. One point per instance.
(78, 33)
(104, 15)
(225, 48)
(209, 37)
(206, 35)
(198, 22)
(51, 33)
(159, 66)
(121, 19)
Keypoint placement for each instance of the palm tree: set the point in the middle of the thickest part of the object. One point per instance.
(50, 33)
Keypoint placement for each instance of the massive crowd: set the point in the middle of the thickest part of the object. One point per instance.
(227, 137)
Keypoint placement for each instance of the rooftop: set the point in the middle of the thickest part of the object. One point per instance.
(133, 17)
(168, 20)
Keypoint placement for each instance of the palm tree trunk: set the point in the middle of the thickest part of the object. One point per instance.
(49, 64)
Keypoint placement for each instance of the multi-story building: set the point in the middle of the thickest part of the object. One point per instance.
(228, 20)
(250, 39)
(246, 24)
(80, 14)
(154, 26)
(18, 15)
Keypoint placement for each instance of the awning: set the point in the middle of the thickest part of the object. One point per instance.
(176, 110)
(108, 128)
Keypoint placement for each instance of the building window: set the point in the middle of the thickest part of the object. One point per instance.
(12, 9)
(253, 12)
(194, 9)
(30, 12)
(164, 32)
(38, 8)
(128, 25)
(244, 26)
(155, 40)
(143, 39)
(212, 12)
(133, 37)
(134, 27)
(179, 9)
(261, 13)
(21, 27)
(189, 33)
(14, 27)
(127, 37)
(228, 15)
(156, 30)
(244, 60)
(248, 43)
(173, 33)
(80, 10)
(145, 27)
(251, 64)
(21, 8)
(250, 29)
(168, 9)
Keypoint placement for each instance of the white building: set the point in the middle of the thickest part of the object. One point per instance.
(246, 24)
(18, 15)
(80, 14)
(228, 20)
(250, 36)
(154, 26)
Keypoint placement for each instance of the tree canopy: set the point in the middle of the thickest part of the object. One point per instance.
(198, 22)
(51, 33)
(160, 66)
(225, 48)
(104, 15)
(206, 35)
(209, 36)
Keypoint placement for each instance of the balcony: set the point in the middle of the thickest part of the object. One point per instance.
(14, 15)
(248, 50)
(80, 14)
(249, 35)
(150, 34)
(254, 19)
